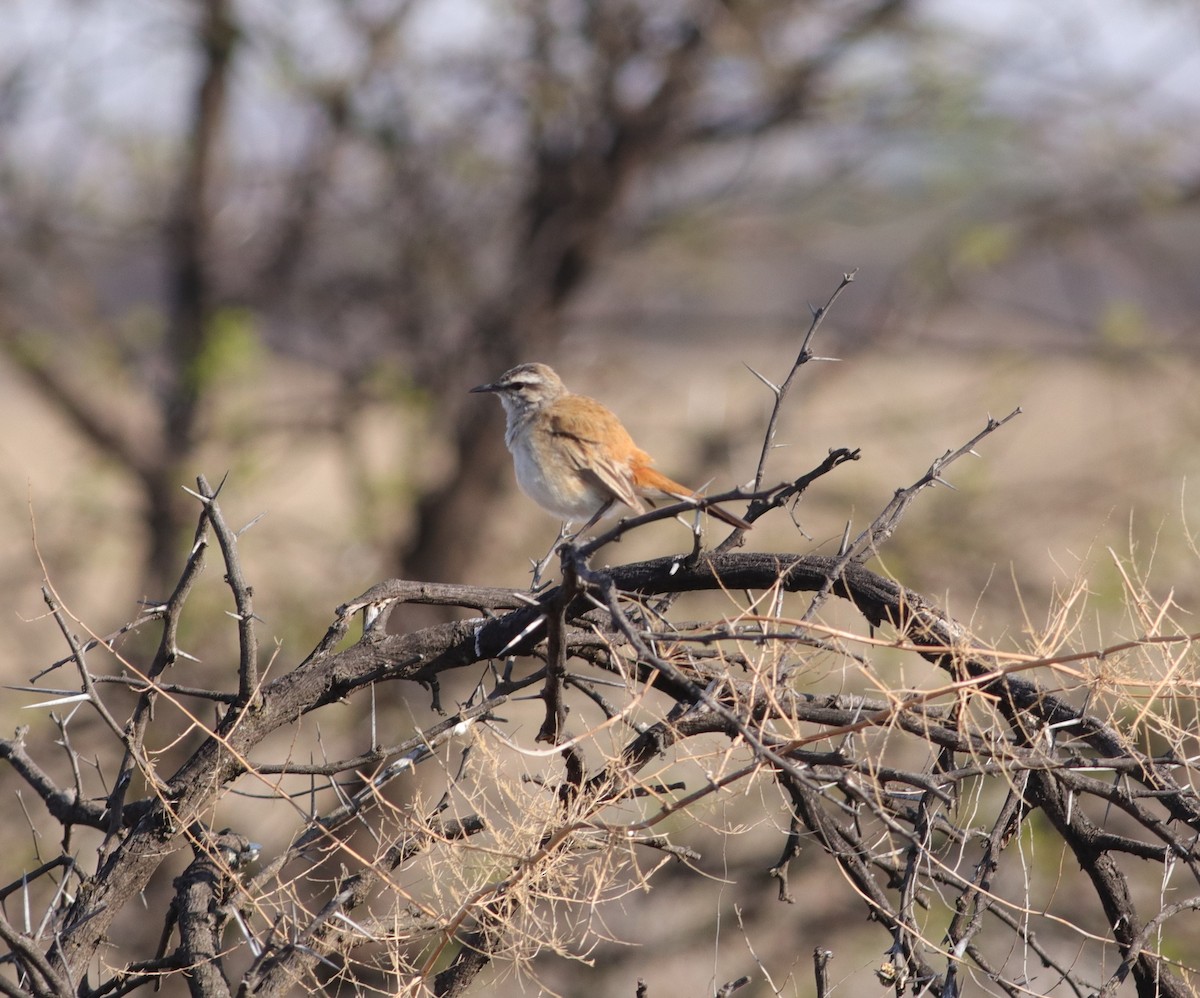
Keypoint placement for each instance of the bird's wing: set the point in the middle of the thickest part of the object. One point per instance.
(598, 447)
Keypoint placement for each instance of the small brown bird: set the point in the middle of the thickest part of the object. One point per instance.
(572, 455)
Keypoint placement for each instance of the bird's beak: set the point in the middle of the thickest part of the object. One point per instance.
(483, 388)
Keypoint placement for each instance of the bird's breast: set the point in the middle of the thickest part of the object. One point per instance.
(550, 480)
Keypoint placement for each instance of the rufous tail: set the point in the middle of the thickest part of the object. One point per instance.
(648, 478)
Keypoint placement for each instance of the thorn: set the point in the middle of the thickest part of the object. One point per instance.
(371, 614)
(251, 523)
(38, 689)
(356, 927)
(844, 546)
(770, 384)
(255, 948)
(309, 951)
(193, 492)
(534, 625)
(58, 701)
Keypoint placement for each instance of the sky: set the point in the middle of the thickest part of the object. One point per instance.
(129, 56)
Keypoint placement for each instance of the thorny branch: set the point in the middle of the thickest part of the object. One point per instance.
(782, 390)
(715, 702)
(922, 797)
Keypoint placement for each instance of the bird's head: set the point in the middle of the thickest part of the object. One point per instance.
(525, 388)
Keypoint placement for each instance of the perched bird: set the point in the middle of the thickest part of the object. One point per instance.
(572, 455)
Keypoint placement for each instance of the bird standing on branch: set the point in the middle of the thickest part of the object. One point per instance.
(572, 455)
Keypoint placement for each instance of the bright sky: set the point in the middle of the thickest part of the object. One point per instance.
(125, 61)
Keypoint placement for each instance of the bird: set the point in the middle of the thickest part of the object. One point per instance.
(572, 455)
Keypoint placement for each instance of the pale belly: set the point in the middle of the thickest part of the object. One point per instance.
(564, 494)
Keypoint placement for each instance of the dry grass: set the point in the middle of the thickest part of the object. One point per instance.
(1068, 534)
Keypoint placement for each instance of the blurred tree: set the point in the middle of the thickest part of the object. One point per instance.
(410, 194)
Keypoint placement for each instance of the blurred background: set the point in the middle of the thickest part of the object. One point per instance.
(281, 241)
